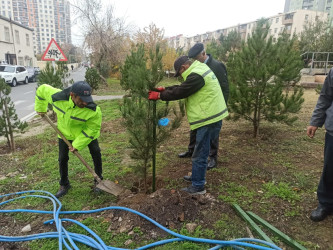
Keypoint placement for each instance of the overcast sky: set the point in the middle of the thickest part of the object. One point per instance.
(191, 17)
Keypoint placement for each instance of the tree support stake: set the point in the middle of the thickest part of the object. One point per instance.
(252, 224)
(285, 238)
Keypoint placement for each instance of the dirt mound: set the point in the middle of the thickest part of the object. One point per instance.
(170, 208)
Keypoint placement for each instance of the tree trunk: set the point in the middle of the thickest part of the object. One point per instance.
(255, 129)
(145, 175)
(10, 131)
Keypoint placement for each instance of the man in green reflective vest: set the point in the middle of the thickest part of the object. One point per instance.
(78, 119)
(205, 108)
(198, 52)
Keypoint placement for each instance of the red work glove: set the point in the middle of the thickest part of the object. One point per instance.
(159, 89)
(153, 95)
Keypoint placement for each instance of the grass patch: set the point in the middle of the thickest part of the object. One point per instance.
(281, 190)
(235, 193)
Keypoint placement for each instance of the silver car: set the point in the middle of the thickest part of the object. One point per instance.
(14, 74)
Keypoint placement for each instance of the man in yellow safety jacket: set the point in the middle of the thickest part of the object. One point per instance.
(78, 119)
(205, 109)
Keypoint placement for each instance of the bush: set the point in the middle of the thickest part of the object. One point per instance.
(93, 78)
(50, 76)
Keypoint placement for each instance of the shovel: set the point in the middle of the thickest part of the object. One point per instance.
(105, 185)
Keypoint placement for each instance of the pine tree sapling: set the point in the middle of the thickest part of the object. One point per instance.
(50, 76)
(139, 75)
(92, 77)
(9, 122)
(263, 78)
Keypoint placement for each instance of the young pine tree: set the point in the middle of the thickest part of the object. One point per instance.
(139, 75)
(9, 122)
(263, 79)
(57, 78)
(92, 77)
(50, 76)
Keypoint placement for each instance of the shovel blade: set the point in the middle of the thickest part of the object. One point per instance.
(110, 187)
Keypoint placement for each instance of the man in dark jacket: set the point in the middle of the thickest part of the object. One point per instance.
(198, 52)
(323, 114)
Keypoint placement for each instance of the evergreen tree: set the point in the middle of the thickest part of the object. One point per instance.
(221, 48)
(263, 79)
(92, 77)
(55, 77)
(50, 76)
(316, 37)
(9, 122)
(139, 75)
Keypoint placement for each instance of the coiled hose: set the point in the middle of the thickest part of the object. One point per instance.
(68, 239)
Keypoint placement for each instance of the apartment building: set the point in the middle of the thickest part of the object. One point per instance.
(16, 45)
(292, 22)
(317, 5)
(49, 19)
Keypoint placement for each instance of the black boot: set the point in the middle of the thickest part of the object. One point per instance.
(186, 154)
(62, 191)
(212, 163)
(320, 213)
(95, 188)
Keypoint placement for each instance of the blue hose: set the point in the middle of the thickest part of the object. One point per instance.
(68, 239)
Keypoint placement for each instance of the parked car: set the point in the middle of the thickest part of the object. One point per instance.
(33, 73)
(14, 74)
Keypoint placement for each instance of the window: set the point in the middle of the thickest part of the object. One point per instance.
(306, 17)
(277, 20)
(17, 37)
(7, 34)
(27, 39)
(275, 30)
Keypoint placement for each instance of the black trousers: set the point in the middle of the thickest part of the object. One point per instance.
(325, 187)
(214, 144)
(95, 152)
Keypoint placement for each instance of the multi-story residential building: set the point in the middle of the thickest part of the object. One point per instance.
(48, 18)
(318, 5)
(291, 22)
(16, 45)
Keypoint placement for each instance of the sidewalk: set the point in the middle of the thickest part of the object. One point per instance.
(106, 97)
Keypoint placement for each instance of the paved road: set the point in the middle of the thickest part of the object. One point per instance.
(77, 74)
(23, 96)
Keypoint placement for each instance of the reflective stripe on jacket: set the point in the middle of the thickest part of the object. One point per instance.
(82, 125)
(207, 105)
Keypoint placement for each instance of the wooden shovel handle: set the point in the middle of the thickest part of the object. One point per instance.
(70, 145)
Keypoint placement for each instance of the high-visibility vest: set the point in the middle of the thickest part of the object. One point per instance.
(207, 105)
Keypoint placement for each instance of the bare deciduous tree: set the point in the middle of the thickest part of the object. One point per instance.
(106, 37)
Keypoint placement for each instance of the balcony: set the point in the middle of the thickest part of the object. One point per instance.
(287, 21)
